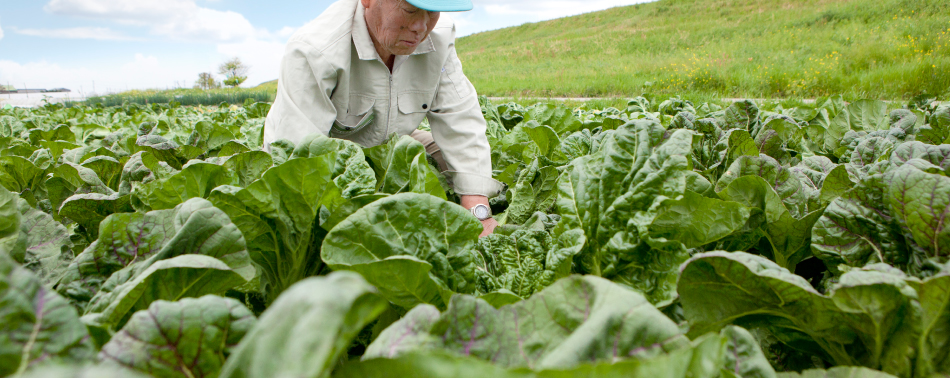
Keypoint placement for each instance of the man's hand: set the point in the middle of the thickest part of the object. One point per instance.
(488, 225)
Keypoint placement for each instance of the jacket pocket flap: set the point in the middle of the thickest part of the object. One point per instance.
(414, 102)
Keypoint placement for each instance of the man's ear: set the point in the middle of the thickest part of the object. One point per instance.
(367, 3)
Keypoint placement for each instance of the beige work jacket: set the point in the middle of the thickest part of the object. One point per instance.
(333, 82)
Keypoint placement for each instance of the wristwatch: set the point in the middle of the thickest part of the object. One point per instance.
(482, 212)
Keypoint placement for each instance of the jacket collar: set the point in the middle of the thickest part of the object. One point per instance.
(364, 43)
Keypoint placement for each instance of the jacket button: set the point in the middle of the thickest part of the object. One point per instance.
(424, 106)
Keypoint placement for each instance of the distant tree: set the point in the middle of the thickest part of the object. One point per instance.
(234, 71)
(206, 81)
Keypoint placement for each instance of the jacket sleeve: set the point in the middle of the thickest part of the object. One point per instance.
(458, 128)
(303, 104)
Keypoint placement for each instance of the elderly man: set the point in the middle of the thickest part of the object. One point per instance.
(365, 69)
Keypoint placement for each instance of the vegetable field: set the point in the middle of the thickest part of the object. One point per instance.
(665, 239)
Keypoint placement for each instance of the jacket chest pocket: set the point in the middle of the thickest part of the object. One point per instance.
(358, 115)
(414, 102)
(413, 107)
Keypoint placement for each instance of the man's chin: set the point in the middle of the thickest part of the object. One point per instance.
(403, 50)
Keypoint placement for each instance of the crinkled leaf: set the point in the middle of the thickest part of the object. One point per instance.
(858, 229)
(88, 210)
(189, 338)
(193, 181)
(695, 220)
(837, 372)
(613, 196)
(88, 371)
(47, 244)
(401, 166)
(352, 174)
(278, 216)
(38, 325)
(920, 203)
(578, 319)
(430, 229)
(871, 317)
(248, 166)
(183, 276)
(12, 241)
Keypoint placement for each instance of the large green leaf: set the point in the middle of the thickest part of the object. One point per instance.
(248, 166)
(437, 235)
(788, 236)
(193, 181)
(614, 194)
(937, 129)
(12, 241)
(19, 175)
(38, 325)
(136, 238)
(82, 371)
(190, 338)
(858, 229)
(401, 166)
(278, 217)
(919, 199)
(837, 372)
(47, 244)
(131, 290)
(707, 357)
(306, 331)
(524, 262)
(871, 317)
(576, 320)
(535, 190)
(352, 174)
(934, 347)
(695, 220)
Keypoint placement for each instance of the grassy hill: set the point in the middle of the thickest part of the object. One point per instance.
(889, 49)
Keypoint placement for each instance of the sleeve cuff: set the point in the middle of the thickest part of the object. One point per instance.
(473, 184)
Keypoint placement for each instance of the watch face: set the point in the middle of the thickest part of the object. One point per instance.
(481, 212)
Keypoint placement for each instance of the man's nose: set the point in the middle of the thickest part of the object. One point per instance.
(420, 24)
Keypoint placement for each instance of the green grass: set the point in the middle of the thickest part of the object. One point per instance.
(188, 96)
(887, 49)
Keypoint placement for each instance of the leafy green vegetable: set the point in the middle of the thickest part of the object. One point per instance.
(39, 326)
(401, 166)
(524, 262)
(872, 317)
(837, 372)
(614, 195)
(188, 338)
(306, 331)
(727, 354)
(411, 246)
(575, 320)
(67, 371)
(277, 215)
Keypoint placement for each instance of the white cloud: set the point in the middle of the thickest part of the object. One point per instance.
(263, 57)
(286, 32)
(136, 72)
(177, 19)
(536, 10)
(102, 34)
(1, 32)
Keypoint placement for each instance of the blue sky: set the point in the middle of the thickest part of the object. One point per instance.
(114, 45)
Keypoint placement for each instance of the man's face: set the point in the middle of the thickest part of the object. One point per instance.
(396, 26)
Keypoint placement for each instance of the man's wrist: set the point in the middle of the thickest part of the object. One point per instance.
(478, 205)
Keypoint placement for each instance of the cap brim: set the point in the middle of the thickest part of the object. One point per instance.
(442, 5)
